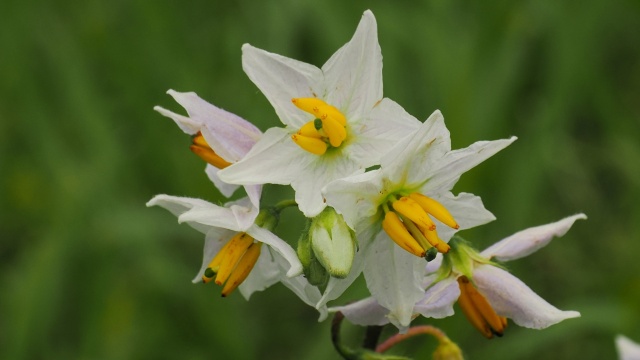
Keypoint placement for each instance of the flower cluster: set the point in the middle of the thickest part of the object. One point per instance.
(395, 224)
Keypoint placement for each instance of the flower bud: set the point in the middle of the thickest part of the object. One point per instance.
(447, 350)
(333, 242)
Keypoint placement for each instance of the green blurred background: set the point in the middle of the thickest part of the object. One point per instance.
(88, 272)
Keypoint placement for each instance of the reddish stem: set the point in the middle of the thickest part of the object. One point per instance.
(413, 331)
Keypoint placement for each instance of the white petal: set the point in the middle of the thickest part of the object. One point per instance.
(281, 79)
(383, 128)
(353, 75)
(310, 181)
(438, 300)
(394, 278)
(446, 172)
(627, 349)
(214, 241)
(226, 189)
(434, 265)
(510, 297)
(366, 312)
(530, 240)
(265, 273)
(275, 159)
(254, 192)
(229, 135)
(423, 151)
(280, 246)
(467, 209)
(199, 214)
(355, 197)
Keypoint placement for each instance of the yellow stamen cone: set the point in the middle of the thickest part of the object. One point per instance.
(214, 265)
(309, 130)
(209, 156)
(333, 112)
(236, 249)
(490, 323)
(242, 270)
(399, 234)
(199, 140)
(415, 232)
(336, 132)
(414, 212)
(312, 145)
(436, 209)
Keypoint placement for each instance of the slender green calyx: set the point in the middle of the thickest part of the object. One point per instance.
(462, 258)
(333, 242)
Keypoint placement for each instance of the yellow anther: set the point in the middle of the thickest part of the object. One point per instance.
(415, 232)
(310, 105)
(312, 145)
(336, 132)
(478, 310)
(242, 270)
(214, 265)
(399, 234)
(435, 241)
(204, 151)
(330, 111)
(414, 212)
(436, 209)
(309, 130)
(237, 247)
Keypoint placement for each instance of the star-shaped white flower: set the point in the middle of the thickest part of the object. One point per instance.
(506, 295)
(275, 262)
(423, 168)
(627, 349)
(223, 136)
(352, 127)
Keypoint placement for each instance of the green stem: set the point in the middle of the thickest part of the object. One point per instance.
(285, 204)
(344, 351)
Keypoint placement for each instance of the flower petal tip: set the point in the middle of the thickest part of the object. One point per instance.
(294, 271)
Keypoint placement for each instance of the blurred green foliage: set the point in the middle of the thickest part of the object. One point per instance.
(88, 272)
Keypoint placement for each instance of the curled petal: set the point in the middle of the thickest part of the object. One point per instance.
(529, 240)
(510, 297)
(627, 349)
(439, 298)
(280, 246)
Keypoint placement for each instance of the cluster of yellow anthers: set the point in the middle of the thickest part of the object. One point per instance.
(206, 153)
(478, 310)
(410, 226)
(329, 127)
(233, 263)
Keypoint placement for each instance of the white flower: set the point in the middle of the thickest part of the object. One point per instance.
(410, 197)
(491, 293)
(627, 349)
(352, 126)
(220, 138)
(240, 221)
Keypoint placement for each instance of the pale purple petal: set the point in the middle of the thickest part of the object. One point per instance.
(226, 189)
(627, 349)
(281, 79)
(529, 240)
(510, 297)
(187, 125)
(366, 312)
(353, 75)
(229, 135)
(439, 298)
(200, 214)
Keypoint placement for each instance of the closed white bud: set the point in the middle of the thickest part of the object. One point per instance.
(333, 242)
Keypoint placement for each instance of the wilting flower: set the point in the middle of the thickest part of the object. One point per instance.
(219, 137)
(410, 198)
(337, 122)
(234, 251)
(627, 349)
(486, 293)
